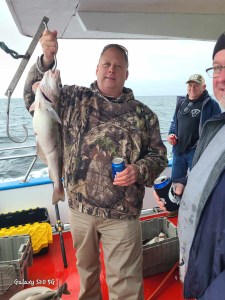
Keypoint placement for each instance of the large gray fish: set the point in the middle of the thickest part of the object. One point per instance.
(47, 128)
(41, 293)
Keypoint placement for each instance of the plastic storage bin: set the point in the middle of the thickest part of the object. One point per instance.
(161, 255)
(34, 222)
(40, 233)
(15, 257)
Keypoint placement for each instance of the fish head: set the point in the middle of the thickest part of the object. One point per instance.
(50, 86)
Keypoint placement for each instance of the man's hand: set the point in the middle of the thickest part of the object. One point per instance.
(160, 203)
(178, 188)
(49, 46)
(172, 139)
(127, 177)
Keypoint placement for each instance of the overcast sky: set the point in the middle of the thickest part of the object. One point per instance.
(156, 67)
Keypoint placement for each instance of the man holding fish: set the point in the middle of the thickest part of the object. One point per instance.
(99, 124)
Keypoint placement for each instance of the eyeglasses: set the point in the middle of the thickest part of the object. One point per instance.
(215, 71)
(120, 47)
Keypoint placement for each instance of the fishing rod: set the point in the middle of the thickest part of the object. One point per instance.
(59, 227)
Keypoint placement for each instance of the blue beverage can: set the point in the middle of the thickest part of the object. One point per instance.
(161, 182)
(164, 189)
(118, 165)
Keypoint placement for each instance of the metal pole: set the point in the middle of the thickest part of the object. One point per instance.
(60, 230)
(28, 54)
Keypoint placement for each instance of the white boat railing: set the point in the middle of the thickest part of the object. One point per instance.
(35, 155)
(21, 156)
(17, 156)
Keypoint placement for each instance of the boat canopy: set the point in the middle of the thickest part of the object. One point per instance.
(122, 19)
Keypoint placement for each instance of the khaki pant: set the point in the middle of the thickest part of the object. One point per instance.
(122, 248)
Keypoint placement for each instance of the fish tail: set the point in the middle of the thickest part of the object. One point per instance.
(63, 290)
(58, 194)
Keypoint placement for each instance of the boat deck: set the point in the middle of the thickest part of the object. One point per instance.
(48, 270)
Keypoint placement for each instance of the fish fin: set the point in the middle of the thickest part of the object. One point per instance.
(53, 114)
(58, 190)
(36, 103)
(32, 107)
(58, 194)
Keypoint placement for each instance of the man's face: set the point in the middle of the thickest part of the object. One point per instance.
(195, 90)
(219, 82)
(111, 72)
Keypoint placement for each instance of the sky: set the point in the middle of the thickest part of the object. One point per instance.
(156, 67)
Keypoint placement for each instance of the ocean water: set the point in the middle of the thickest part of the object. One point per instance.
(17, 168)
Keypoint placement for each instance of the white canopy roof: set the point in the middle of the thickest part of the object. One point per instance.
(128, 19)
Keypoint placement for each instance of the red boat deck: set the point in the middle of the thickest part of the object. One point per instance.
(48, 270)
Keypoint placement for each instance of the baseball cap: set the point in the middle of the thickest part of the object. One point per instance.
(196, 78)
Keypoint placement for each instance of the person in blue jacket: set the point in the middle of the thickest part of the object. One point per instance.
(201, 218)
(190, 115)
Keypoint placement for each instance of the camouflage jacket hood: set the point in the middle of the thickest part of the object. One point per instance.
(97, 129)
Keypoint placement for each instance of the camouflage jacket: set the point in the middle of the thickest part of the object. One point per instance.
(97, 129)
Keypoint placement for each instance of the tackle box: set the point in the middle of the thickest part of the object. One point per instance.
(15, 258)
(24, 217)
(34, 222)
(160, 256)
